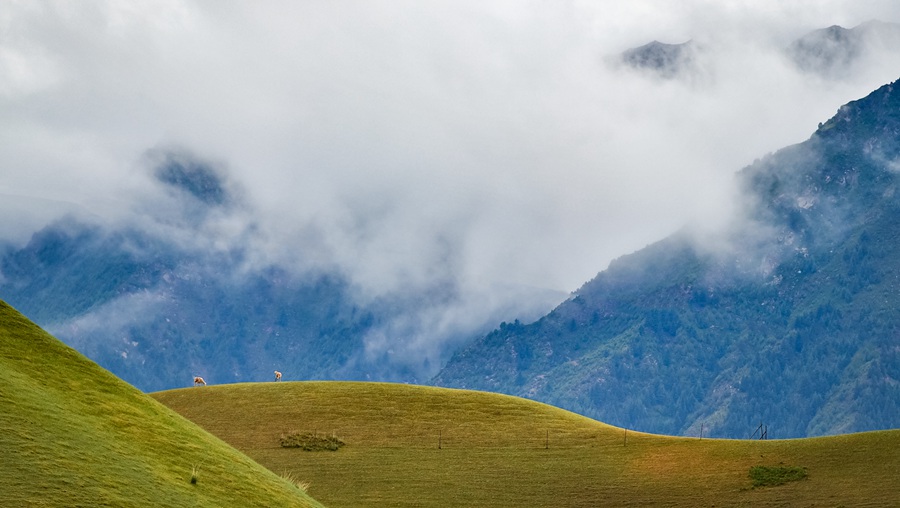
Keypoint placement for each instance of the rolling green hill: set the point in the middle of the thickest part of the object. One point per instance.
(424, 446)
(72, 434)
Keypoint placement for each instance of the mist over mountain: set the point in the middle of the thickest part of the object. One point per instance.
(216, 188)
(838, 52)
(157, 316)
(834, 52)
(159, 304)
(789, 317)
(665, 60)
(184, 173)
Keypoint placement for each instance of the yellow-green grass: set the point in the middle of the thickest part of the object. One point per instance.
(433, 447)
(72, 434)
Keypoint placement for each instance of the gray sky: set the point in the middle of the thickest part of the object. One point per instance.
(488, 142)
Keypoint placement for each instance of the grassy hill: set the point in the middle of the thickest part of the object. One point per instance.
(72, 434)
(425, 446)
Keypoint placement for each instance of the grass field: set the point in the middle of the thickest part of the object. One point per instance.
(74, 435)
(432, 447)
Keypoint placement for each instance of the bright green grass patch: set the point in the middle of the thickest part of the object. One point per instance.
(414, 446)
(74, 435)
(772, 476)
(310, 442)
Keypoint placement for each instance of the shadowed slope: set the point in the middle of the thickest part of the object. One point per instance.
(72, 434)
(424, 446)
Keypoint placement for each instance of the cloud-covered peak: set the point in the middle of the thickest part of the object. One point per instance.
(184, 172)
(667, 60)
(836, 51)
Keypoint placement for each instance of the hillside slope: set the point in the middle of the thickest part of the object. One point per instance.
(790, 317)
(409, 446)
(71, 434)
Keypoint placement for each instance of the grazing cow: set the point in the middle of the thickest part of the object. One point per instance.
(199, 381)
(277, 376)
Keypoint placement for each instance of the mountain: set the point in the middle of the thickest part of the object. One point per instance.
(161, 301)
(835, 51)
(790, 318)
(665, 60)
(72, 434)
(157, 315)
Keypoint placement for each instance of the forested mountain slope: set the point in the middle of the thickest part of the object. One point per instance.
(156, 315)
(159, 302)
(790, 318)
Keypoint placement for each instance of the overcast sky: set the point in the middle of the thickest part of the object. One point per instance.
(489, 142)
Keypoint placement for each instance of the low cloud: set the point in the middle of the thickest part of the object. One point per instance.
(404, 143)
(112, 319)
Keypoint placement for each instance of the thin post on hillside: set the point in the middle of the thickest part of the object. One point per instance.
(762, 430)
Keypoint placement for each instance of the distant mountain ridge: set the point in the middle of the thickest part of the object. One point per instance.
(794, 322)
(833, 52)
(157, 315)
(666, 60)
(161, 304)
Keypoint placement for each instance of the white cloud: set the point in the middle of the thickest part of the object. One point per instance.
(484, 142)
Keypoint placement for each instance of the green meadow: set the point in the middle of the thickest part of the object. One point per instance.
(424, 446)
(74, 435)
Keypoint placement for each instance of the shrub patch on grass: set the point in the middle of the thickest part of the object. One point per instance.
(310, 442)
(771, 476)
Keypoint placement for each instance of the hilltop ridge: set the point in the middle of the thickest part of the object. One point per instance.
(407, 445)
